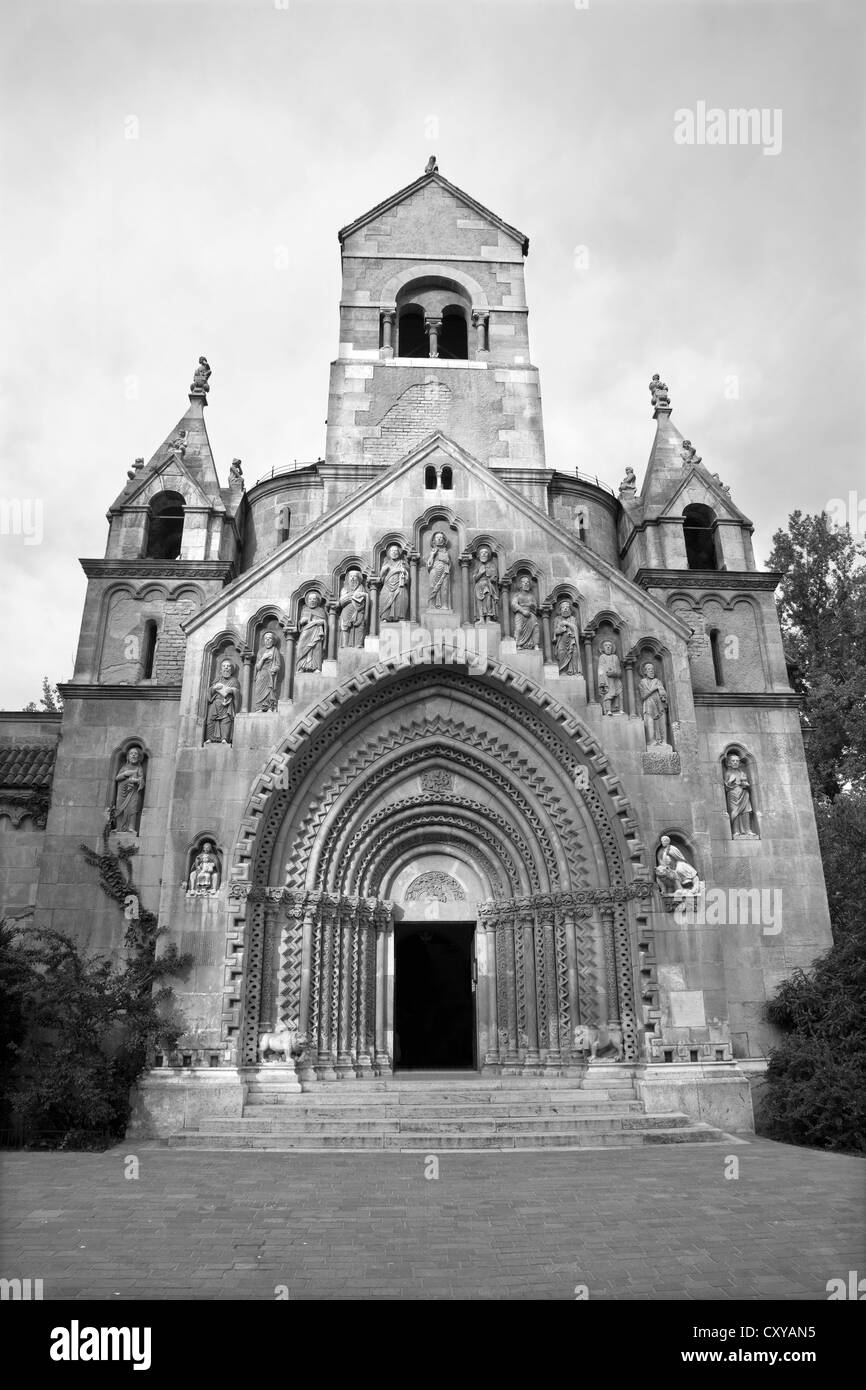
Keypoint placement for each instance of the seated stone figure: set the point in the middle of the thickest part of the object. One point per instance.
(675, 876)
(205, 874)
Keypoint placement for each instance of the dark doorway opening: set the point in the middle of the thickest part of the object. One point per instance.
(434, 1001)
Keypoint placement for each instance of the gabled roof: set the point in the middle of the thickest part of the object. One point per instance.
(193, 457)
(425, 179)
(667, 475)
(324, 523)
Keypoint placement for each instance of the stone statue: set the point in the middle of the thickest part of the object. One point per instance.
(223, 703)
(178, 444)
(604, 1042)
(394, 603)
(566, 646)
(439, 570)
(129, 792)
(201, 376)
(283, 1042)
(431, 167)
(204, 879)
(725, 489)
(737, 788)
(654, 703)
(609, 679)
(525, 611)
(629, 482)
(485, 581)
(266, 680)
(689, 454)
(659, 393)
(313, 628)
(674, 874)
(353, 610)
(236, 474)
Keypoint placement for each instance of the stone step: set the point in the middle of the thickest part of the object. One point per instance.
(301, 1106)
(438, 1143)
(359, 1097)
(505, 1124)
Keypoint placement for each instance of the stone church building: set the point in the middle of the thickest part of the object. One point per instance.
(434, 757)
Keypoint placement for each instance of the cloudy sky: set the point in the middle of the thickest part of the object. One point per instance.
(265, 124)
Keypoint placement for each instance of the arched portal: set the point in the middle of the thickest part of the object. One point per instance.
(426, 791)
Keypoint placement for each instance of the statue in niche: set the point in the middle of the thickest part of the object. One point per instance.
(353, 610)
(236, 474)
(223, 703)
(394, 603)
(609, 679)
(201, 376)
(439, 570)
(566, 645)
(738, 798)
(654, 705)
(204, 878)
(659, 393)
(266, 680)
(313, 628)
(674, 874)
(525, 611)
(129, 792)
(485, 581)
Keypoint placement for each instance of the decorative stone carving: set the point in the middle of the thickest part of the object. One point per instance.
(204, 876)
(659, 393)
(129, 784)
(609, 680)
(738, 798)
(602, 1044)
(313, 632)
(431, 167)
(675, 876)
(435, 886)
(439, 570)
(525, 610)
(353, 602)
(283, 1043)
(661, 763)
(690, 455)
(266, 679)
(436, 781)
(654, 705)
(394, 574)
(236, 474)
(628, 486)
(566, 639)
(201, 376)
(223, 703)
(178, 444)
(716, 479)
(485, 584)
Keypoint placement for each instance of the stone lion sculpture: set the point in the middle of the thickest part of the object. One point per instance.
(284, 1042)
(602, 1044)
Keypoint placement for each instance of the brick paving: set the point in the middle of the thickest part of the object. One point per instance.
(629, 1224)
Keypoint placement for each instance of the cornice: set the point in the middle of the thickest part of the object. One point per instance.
(759, 699)
(75, 691)
(706, 579)
(159, 569)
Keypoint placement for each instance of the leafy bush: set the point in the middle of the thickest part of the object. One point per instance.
(78, 1027)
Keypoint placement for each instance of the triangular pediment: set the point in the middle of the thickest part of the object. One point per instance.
(386, 494)
(183, 463)
(448, 191)
(699, 486)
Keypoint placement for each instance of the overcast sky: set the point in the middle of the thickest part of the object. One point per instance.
(262, 124)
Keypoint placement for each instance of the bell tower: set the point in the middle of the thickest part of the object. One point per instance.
(433, 333)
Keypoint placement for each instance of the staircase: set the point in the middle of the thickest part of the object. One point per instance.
(445, 1111)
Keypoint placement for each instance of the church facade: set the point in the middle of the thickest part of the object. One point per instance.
(434, 757)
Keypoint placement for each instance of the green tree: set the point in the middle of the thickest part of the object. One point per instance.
(822, 611)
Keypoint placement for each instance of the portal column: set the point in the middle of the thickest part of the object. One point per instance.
(466, 615)
(487, 986)
(588, 669)
(414, 596)
(384, 992)
(505, 606)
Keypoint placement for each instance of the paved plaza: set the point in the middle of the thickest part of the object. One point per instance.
(627, 1224)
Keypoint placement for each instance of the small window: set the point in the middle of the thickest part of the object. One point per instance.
(411, 336)
(165, 527)
(715, 648)
(454, 335)
(148, 649)
(447, 479)
(699, 530)
(430, 478)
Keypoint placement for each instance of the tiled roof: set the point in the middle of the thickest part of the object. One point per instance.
(27, 765)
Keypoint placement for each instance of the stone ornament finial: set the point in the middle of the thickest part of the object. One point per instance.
(659, 394)
(431, 167)
(201, 377)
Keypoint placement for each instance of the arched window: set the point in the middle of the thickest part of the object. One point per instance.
(699, 524)
(447, 478)
(412, 340)
(454, 338)
(430, 478)
(148, 649)
(715, 648)
(283, 521)
(165, 527)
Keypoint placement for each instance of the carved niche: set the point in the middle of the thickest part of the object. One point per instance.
(128, 784)
(204, 870)
(738, 779)
(524, 609)
(267, 672)
(223, 697)
(485, 585)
